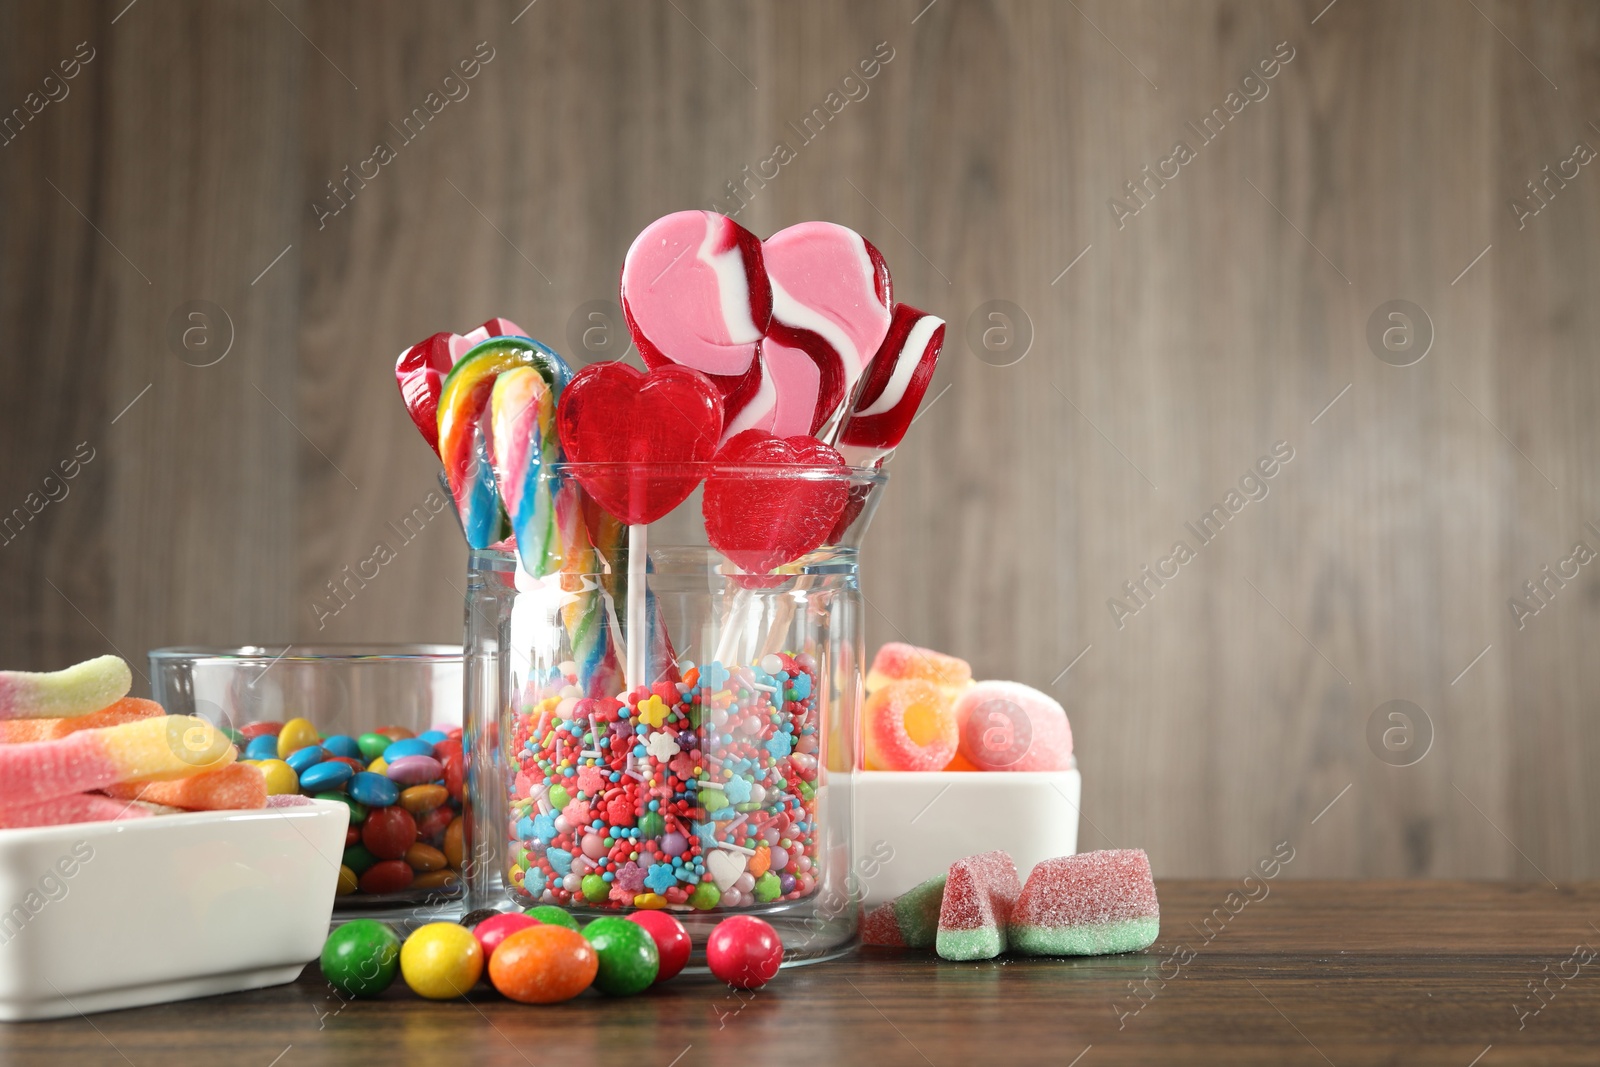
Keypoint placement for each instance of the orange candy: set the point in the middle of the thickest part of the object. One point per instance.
(237, 785)
(910, 726)
(543, 965)
(128, 709)
(454, 845)
(898, 662)
(423, 858)
(759, 862)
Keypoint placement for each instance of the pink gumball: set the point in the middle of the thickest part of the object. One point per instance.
(744, 952)
(497, 928)
(672, 941)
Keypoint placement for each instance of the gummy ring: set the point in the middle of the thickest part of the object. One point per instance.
(910, 726)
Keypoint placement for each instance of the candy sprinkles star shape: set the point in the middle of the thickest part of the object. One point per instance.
(737, 789)
(653, 711)
(779, 745)
(661, 746)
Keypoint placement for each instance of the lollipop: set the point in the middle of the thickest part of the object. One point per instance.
(624, 425)
(761, 520)
(464, 432)
(830, 312)
(522, 419)
(894, 387)
(694, 293)
(421, 369)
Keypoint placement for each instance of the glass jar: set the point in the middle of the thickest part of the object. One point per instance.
(344, 691)
(719, 782)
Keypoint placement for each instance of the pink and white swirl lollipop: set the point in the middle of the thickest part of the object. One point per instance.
(695, 293)
(831, 296)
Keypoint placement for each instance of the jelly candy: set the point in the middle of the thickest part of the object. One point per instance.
(910, 920)
(909, 726)
(896, 661)
(77, 690)
(1008, 726)
(979, 895)
(1087, 905)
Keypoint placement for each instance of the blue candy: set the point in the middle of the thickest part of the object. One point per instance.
(306, 757)
(322, 777)
(263, 747)
(433, 737)
(373, 790)
(411, 746)
(342, 745)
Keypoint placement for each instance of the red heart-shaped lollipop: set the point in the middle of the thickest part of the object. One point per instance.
(612, 414)
(761, 520)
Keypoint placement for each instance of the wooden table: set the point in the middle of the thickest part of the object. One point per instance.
(1315, 972)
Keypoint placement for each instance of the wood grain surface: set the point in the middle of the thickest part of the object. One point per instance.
(1142, 364)
(1348, 973)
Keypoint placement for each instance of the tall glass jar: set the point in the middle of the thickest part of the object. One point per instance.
(719, 782)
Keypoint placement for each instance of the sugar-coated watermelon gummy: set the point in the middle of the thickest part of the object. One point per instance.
(979, 895)
(1087, 905)
(910, 920)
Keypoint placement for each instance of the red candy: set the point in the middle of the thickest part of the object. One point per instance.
(497, 928)
(388, 832)
(672, 941)
(744, 952)
(763, 521)
(252, 730)
(421, 369)
(895, 383)
(610, 413)
(388, 876)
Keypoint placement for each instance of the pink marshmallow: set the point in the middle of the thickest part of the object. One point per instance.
(1008, 726)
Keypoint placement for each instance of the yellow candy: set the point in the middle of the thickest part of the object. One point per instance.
(441, 961)
(295, 735)
(281, 779)
(378, 766)
(347, 882)
(421, 799)
(649, 900)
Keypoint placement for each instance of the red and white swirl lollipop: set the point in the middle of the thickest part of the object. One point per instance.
(894, 387)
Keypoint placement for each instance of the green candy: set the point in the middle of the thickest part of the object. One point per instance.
(559, 797)
(712, 799)
(358, 811)
(358, 859)
(768, 887)
(372, 745)
(361, 958)
(652, 825)
(551, 915)
(595, 888)
(705, 896)
(629, 961)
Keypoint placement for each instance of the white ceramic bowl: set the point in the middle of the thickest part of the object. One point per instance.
(107, 915)
(911, 826)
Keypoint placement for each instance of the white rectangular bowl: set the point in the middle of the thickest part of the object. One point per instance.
(931, 819)
(106, 915)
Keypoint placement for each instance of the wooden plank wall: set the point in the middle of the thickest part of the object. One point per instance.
(181, 170)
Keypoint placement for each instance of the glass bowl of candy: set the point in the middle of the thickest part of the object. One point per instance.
(668, 714)
(375, 727)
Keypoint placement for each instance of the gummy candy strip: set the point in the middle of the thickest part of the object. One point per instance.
(238, 785)
(78, 690)
(72, 808)
(893, 387)
(128, 709)
(1087, 905)
(173, 746)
